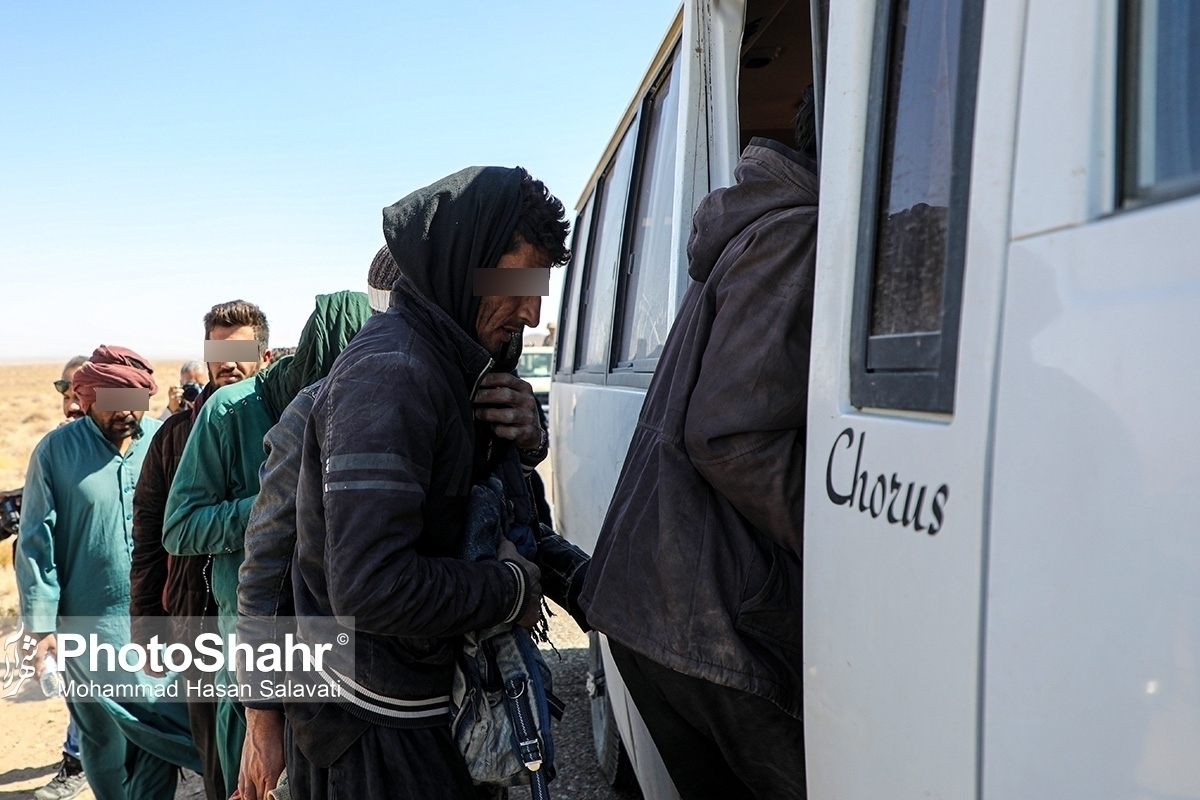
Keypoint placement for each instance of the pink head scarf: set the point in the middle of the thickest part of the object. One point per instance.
(111, 368)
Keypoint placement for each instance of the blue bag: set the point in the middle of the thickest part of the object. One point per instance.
(502, 697)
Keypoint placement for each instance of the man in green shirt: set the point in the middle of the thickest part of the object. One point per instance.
(212, 490)
(73, 558)
(216, 484)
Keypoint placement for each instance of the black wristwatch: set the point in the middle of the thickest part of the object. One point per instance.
(536, 456)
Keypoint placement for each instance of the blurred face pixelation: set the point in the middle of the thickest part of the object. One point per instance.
(223, 373)
(502, 320)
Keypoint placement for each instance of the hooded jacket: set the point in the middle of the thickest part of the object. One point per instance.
(698, 561)
(391, 451)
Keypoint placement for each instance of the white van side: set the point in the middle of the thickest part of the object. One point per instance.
(1002, 541)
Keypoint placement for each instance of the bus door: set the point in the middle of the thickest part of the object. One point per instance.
(1093, 623)
(919, 120)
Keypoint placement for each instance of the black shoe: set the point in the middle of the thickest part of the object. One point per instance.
(69, 782)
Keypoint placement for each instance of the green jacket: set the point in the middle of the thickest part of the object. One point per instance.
(216, 483)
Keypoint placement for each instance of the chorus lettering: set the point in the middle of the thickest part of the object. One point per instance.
(883, 495)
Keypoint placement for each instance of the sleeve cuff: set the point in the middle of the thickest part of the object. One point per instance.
(522, 591)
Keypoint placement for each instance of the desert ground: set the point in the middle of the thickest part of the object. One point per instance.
(34, 725)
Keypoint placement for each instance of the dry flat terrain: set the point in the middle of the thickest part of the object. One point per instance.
(33, 726)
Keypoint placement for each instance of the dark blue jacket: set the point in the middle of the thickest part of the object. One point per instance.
(390, 455)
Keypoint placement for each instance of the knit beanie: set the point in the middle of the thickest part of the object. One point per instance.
(383, 273)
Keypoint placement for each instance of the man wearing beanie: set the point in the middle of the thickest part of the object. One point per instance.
(73, 559)
(419, 407)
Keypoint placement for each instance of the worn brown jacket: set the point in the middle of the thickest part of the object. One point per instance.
(698, 565)
(162, 585)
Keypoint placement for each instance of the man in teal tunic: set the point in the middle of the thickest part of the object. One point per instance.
(73, 558)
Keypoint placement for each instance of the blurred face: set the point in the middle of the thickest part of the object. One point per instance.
(227, 372)
(193, 376)
(70, 405)
(502, 319)
(117, 426)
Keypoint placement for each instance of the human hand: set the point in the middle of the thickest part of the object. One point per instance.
(174, 398)
(516, 416)
(46, 645)
(262, 753)
(532, 611)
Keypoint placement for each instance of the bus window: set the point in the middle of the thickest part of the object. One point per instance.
(910, 259)
(647, 284)
(1162, 108)
(594, 346)
(565, 339)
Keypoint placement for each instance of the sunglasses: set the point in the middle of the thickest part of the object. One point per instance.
(62, 386)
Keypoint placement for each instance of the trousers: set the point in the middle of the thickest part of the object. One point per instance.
(715, 741)
(394, 763)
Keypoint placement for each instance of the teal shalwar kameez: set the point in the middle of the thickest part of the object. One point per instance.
(73, 558)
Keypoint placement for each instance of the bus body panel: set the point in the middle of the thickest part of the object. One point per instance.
(592, 428)
(1093, 651)
(892, 614)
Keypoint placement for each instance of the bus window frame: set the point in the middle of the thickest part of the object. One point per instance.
(569, 329)
(672, 64)
(589, 373)
(913, 371)
(1129, 196)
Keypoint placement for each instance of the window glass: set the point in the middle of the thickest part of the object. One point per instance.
(1166, 93)
(916, 167)
(647, 281)
(604, 255)
(565, 335)
(916, 185)
(534, 365)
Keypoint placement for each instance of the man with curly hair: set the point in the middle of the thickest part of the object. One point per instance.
(421, 406)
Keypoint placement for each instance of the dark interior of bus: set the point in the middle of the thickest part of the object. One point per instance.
(776, 67)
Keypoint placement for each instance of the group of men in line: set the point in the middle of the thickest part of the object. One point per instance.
(335, 481)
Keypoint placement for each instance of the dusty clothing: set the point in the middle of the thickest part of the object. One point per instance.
(715, 741)
(391, 451)
(387, 468)
(698, 561)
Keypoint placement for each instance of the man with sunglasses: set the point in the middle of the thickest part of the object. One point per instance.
(70, 404)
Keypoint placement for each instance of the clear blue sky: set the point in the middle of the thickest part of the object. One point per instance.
(159, 157)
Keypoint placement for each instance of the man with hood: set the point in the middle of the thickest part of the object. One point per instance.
(420, 406)
(176, 590)
(72, 565)
(216, 482)
(696, 576)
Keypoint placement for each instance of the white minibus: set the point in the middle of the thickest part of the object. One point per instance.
(1002, 532)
